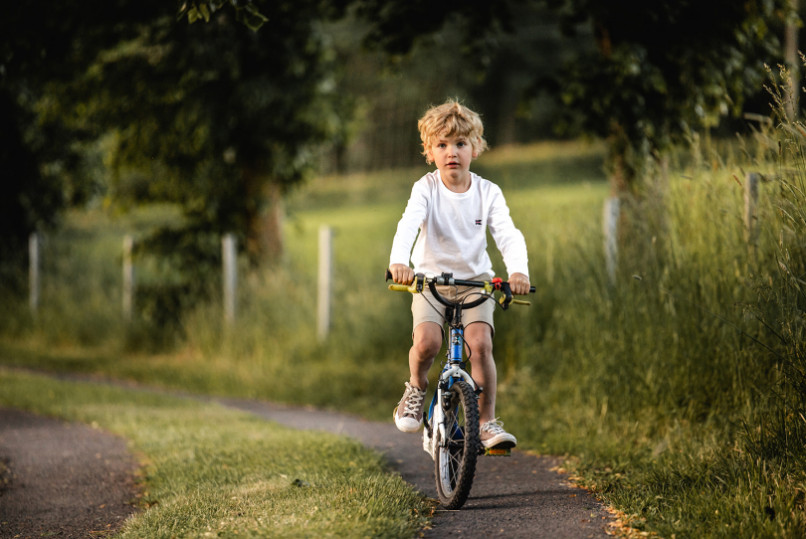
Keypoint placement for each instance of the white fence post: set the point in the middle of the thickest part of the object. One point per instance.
(128, 278)
(325, 281)
(33, 272)
(230, 276)
(612, 211)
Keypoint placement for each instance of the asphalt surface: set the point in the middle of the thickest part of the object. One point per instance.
(72, 480)
(65, 480)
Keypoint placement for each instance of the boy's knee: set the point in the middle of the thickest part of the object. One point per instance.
(479, 338)
(427, 339)
(427, 348)
(482, 351)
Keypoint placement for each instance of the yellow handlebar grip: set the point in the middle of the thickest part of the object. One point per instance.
(399, 288)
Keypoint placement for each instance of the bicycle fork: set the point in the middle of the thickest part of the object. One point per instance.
(452, 372)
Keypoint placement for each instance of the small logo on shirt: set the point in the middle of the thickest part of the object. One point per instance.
(478, 222)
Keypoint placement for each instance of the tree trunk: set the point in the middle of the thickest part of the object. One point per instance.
(271, 224)
(264, 219)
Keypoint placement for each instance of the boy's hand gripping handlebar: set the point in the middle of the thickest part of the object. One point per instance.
(415, 287)
(506, 299)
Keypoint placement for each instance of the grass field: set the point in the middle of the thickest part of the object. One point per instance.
(676, 392)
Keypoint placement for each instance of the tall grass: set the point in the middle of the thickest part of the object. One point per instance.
(681, 387)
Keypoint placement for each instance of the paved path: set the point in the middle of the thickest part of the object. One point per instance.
(62, 479)
(82, 478)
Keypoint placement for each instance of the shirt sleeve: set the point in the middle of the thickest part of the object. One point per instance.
(409, 225)
(507, 237)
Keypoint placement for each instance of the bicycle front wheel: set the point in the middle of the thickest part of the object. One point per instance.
(455, 462)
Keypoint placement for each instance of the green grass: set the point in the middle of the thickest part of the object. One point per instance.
(211, 471)
(677, 393)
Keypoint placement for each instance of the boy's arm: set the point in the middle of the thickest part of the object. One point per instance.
(407, 229)
(509, 240)
(507, 237)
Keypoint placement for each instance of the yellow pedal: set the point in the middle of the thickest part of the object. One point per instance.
(497, 452)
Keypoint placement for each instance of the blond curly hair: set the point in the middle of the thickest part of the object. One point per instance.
(451, 119)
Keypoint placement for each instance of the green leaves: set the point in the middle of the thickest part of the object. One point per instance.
(246, 12)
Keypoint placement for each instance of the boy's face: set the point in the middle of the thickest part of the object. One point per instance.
(452, 156)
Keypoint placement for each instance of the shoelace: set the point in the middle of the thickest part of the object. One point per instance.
(494, 426)
(415, 397)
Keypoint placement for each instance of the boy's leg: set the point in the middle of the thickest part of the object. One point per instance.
(427, 338)
(479, 337)
(427, 343)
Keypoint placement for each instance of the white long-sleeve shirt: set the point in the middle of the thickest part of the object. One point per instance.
(453, 230)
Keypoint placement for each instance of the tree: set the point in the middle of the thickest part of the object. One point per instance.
(663, 69)
(653, 72)
(216, 117)
(43, 41)
(660, 73)
(223, 119)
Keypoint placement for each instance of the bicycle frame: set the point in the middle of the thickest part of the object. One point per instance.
(452, 372)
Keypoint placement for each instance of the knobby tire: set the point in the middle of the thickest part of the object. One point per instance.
(455, 463)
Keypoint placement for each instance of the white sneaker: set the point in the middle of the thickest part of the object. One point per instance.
(409, 411)
(494, 435)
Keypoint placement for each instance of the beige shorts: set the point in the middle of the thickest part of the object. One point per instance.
(425, 308)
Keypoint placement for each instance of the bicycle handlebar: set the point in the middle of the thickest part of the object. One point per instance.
(446, 279)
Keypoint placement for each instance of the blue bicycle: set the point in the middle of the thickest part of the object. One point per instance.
(451, 434)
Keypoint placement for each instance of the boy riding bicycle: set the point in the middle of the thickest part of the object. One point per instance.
(449, 213)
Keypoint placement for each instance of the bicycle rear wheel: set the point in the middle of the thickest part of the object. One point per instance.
(455, 462)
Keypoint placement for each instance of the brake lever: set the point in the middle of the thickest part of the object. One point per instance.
(506, 299)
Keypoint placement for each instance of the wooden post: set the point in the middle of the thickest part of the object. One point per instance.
(33, 271)
(610, 220)
(750, 203)
(128, 278)
(793, 62)
(325, 281)
(230, 279)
